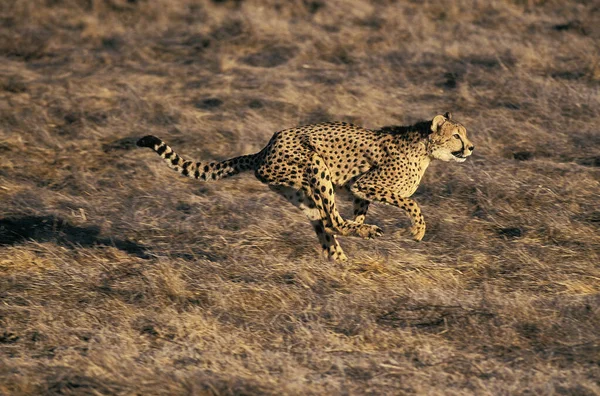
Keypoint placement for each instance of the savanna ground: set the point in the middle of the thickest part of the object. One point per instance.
(118, 276)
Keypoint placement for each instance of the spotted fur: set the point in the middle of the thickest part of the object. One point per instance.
(307, 164)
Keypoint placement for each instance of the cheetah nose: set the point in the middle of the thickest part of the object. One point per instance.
(471, 148)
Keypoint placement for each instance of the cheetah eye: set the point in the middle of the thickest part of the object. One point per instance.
(456, 136)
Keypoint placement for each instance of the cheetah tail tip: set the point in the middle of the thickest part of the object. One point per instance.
(149, 141)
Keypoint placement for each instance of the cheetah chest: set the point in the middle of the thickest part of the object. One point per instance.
(409, 177)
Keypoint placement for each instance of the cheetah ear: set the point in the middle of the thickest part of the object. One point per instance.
(438, 120)
(448, 115)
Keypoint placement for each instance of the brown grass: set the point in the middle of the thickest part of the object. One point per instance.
(118, 277)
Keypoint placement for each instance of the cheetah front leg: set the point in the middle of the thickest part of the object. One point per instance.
(360, 208)
(410, 206)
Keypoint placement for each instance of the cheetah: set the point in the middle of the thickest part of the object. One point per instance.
(307, 164)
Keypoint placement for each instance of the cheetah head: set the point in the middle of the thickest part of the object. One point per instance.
(448, 140)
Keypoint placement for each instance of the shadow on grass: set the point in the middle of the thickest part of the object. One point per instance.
(15, 230)
(431, 316)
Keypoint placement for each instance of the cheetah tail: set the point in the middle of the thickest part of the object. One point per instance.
(199, 170)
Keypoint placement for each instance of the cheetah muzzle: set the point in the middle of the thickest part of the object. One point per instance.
(307, 164)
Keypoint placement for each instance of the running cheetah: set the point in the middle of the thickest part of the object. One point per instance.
(307, 164)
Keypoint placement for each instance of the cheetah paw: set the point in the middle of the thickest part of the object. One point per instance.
(335, 256)
(368, 231)
(417, 233)
(413, 232)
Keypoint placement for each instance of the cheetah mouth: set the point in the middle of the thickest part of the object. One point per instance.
(458, 156)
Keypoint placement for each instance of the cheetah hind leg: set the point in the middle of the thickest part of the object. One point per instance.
(331, 249)
(318, 178)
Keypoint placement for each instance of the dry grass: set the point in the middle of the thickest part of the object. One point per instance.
(118, 277)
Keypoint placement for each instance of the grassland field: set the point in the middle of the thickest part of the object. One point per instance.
(119, 277)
